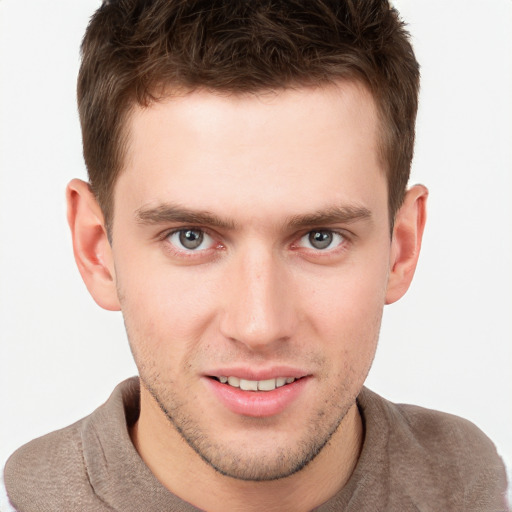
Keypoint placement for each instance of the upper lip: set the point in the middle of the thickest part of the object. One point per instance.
(258, 374)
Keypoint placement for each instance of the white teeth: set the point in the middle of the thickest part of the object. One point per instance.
(249, 385)
(267, 385)
(256, 385)
(280, 381)
(234, 381)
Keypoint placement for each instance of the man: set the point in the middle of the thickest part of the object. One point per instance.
(248, 213)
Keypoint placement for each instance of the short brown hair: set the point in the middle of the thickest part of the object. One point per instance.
(134, 48)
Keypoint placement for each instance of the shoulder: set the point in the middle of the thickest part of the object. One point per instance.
(428, 450)
(449, 440)
(5, 504)
(53, 471)
(49, 469)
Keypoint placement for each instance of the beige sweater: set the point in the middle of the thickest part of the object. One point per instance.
(413, 459)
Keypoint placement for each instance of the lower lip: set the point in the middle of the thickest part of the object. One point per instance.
(257, 404)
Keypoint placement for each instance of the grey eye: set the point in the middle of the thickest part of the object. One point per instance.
(320, 239)
(190, 240)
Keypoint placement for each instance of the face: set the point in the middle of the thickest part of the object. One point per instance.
(251, 248)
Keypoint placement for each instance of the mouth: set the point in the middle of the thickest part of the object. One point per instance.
(255, 385)
(265, 397)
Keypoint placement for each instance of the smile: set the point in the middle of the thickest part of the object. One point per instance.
(258, 398)
(256, 385)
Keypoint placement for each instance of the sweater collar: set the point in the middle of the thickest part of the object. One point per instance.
(121, 479)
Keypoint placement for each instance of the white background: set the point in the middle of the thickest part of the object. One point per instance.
(447, 345)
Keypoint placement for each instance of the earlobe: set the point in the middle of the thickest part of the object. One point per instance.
(406, 242)
(91, 247)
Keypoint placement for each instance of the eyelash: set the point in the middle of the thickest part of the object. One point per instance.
(332, 232)
(190, 253)
(216, 245)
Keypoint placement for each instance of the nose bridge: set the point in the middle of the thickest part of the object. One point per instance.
(259, 311)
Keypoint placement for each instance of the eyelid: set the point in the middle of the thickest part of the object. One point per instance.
(189, 253)
(346, 235)
(175, 239)
(171, 231)
(348, 238)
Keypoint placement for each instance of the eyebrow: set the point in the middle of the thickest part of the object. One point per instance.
(175, 213)
(332, 215)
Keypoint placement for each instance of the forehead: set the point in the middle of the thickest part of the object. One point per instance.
(224, 151)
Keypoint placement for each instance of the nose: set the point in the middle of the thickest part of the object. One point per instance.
(259, 311)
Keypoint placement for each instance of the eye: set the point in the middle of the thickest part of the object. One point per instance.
(190, 240)
(321, 239)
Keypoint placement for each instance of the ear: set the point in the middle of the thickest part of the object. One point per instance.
(406, 243)
(93, 254)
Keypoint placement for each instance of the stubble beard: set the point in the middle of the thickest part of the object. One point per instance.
(249, 465)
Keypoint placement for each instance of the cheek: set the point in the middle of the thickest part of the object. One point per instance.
(163, 306)
(346, 309)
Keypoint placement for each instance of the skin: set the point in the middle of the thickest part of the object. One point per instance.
(256, 297)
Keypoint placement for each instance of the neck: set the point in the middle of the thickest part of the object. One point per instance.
(187, 476)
